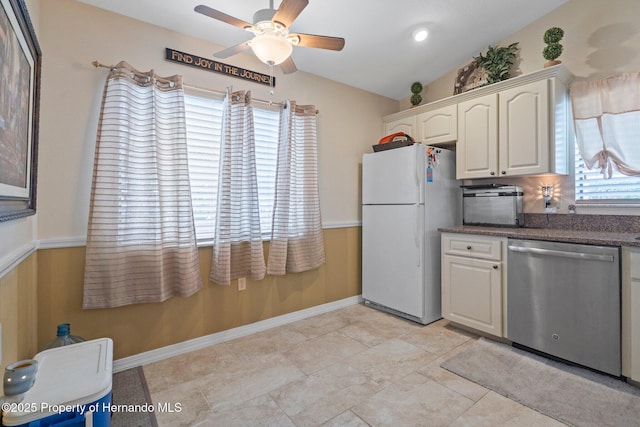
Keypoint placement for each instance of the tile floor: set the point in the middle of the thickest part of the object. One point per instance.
(351, 367)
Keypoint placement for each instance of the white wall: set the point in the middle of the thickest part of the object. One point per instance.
(74, 34)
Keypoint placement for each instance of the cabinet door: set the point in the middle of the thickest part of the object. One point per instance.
(406, 125)
(438, 126)
(477, 147)
(634, 300)
(524, 129)
(472, 293)
(631, 313)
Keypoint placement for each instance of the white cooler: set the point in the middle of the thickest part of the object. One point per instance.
(72, 388)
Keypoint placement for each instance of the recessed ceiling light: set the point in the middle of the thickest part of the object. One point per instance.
(420, 34)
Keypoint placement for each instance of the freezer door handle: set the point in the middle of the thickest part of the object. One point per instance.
(563, 254)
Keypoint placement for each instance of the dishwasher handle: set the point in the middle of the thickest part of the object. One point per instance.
(564, 254)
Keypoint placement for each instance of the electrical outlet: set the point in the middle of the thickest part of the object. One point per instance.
(242, 283)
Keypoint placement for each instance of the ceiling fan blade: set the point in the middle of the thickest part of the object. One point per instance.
(216, 14)
(288, 66)
(289, 11)
(230, 51)
(320, 42)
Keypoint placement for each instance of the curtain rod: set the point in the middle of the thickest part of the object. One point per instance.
(98, 64)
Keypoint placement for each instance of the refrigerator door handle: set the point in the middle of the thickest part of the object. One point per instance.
(417, 236)
(418, 169)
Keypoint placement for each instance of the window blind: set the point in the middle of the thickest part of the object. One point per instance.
(591, 184)
(204, 125)
(266, 137)
(204, 122)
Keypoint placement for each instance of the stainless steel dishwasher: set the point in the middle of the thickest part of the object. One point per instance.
(564, 300)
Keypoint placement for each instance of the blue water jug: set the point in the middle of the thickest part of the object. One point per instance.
(64, 337)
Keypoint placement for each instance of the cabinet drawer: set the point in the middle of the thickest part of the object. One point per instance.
(472, 246)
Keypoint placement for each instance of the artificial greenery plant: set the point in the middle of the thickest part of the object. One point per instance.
(553, 49)
(497, 62)
(416, 90)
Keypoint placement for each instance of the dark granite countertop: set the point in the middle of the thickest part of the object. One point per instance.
(602, 238)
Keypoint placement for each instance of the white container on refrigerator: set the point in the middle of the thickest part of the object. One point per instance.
(405, 199)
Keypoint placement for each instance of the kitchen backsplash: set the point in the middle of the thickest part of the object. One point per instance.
(603, 223)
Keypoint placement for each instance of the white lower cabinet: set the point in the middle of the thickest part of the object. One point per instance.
(631, 313)
(473, 276)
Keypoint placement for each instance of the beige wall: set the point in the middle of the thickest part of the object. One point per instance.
(602, 38)
(144, 327)
(18, 312)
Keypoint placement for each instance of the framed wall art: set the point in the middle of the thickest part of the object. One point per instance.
(20, 61)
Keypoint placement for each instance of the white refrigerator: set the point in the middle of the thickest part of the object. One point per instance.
(407, 194)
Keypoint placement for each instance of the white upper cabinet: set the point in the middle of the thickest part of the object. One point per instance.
(477, 148)
(520, 126)
(438, 126)
(405, 124)
(532, 132)
(523, 137)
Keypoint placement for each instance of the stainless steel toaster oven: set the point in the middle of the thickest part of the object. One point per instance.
(493, 205)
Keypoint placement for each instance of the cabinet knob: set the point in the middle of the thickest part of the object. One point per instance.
(469, 247)
(503, 172)
(495, 267)
(492, 173)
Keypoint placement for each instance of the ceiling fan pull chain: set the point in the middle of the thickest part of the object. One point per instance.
(271, 78)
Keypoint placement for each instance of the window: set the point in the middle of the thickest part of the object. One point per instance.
(591, 184)
(606, 115)
(204, 123)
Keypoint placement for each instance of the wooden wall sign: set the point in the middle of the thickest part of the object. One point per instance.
(218, 67)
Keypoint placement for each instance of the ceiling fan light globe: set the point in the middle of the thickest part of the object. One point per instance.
(271, 49)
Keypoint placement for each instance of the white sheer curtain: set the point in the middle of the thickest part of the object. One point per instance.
(237, 246)
(141, 244)
(607, 122)
(297, 242)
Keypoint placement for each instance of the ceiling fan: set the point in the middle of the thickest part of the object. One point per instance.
(272, 43)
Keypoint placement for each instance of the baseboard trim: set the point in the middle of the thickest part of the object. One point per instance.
(230, 334)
